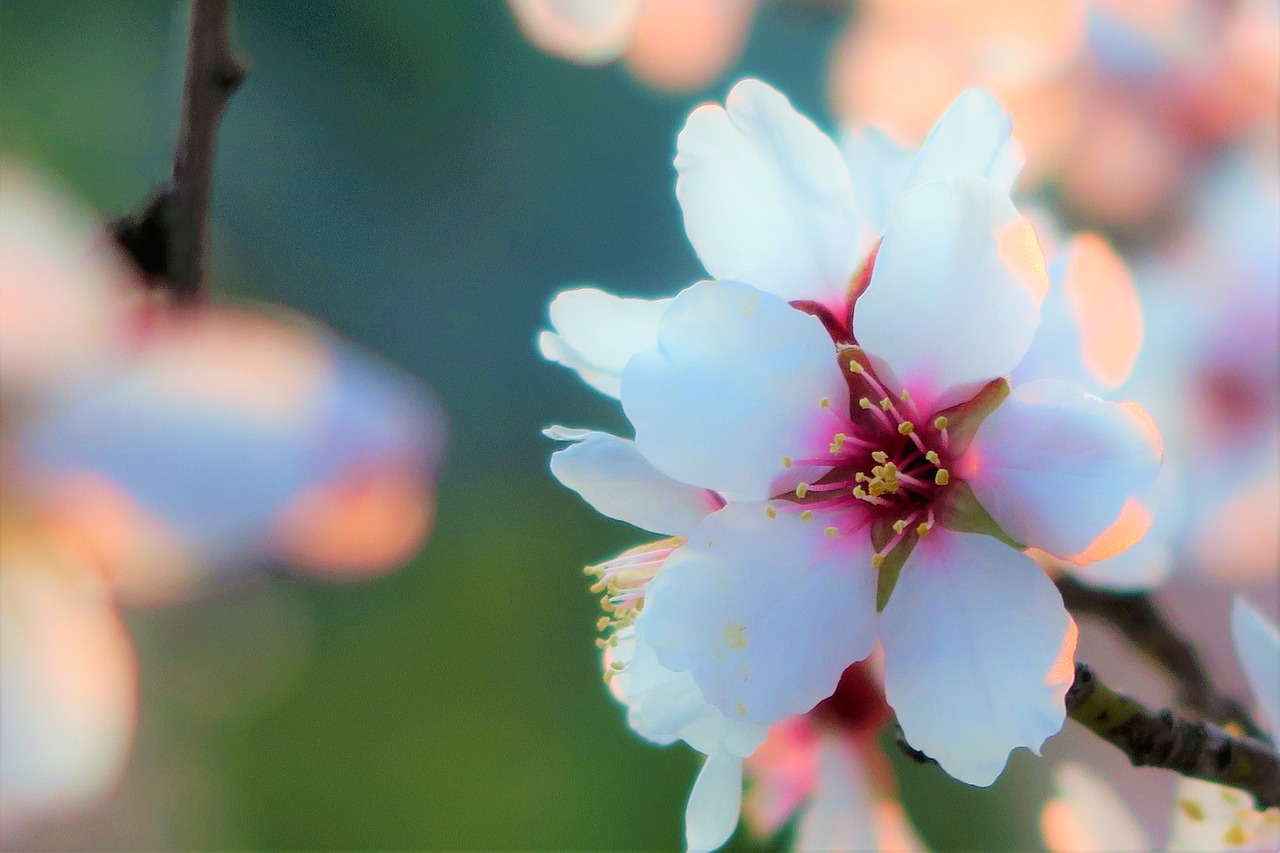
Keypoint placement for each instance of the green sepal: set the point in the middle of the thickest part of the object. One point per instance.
(887, 575)
(957, 509)
(964, 419)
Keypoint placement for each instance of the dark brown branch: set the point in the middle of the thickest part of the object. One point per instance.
(1137, 618)
(1166, 740)
(169, 239)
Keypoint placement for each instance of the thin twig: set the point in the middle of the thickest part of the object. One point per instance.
(169, 239)
(1167, 740)
(1136, 616)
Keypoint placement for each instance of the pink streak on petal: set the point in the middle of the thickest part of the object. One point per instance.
(1106, 308)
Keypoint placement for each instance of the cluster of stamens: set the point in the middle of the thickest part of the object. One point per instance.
(881, 464)
(623, 580)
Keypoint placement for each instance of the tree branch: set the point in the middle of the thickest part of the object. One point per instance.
(1191, 747)
(169, 239)
(1136, 616)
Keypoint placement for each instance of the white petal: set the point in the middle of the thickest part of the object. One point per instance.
(664, 705)
(714, 803)
(978, 653)
(765, 612)
(841, 815)
(1055, 466)
(596, 333)
(611, 475)
(589, 32)
(1257, 642)
(1088, 815)
(955, 295)
(973, 138)
(734, 386)
(767, 198)
(878, 168)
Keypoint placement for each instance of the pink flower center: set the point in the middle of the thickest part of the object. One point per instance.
(886, 462)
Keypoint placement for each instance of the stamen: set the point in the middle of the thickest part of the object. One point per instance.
(906, 428)
(864, 403)
(900, 525)
(905, 396)
(831, 531)
(786, 462)
(825, 402)
(942, 477)
(856, 367)
(880, 456)
(886, 404)
(932, 456)
(940, 422)
(802, 489)
(923, 528)
(771, 512)
(807, 515)
(877, 560)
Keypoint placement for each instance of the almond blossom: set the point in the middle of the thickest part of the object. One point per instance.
(1088, 814)
(842, 388)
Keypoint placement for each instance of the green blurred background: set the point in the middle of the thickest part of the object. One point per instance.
(419, 178)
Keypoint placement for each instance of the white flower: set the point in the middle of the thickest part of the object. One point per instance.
(897, 454)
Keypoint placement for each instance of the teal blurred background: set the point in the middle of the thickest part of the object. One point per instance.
(416, 176)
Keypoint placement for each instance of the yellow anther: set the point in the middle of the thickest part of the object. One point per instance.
(617, 666)
(807, 515)
(877, 560)
(787, 462)
(837, 442)
(922, 529)
(602, 643)
(860, 477)
(940, 422)
(906, 428)
(831, 531)
(864, 403)
(825, 402)
(1235, 836)
(942, 477)
(802, 489)
(900, 525)
(932, 456)
(886, 404)
(880, 456)
(603, 622)
(855, 367)
(860, 493)
(905, 396)
(771, 512)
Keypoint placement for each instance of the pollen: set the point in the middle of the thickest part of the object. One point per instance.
(802, 489)
(771, 512)
(905, 396)
(923, 528)
(837, 442)
(942, 477)
(886, 404)
(1235, 836)
(906, 428)
(864, 403)
(831, 531)
(807, 515)
(932, 457)
(787, 462)
(855, 367)
(900, 525)
(880, 456)
(940, 422)
(877, 560)
(825, 402)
